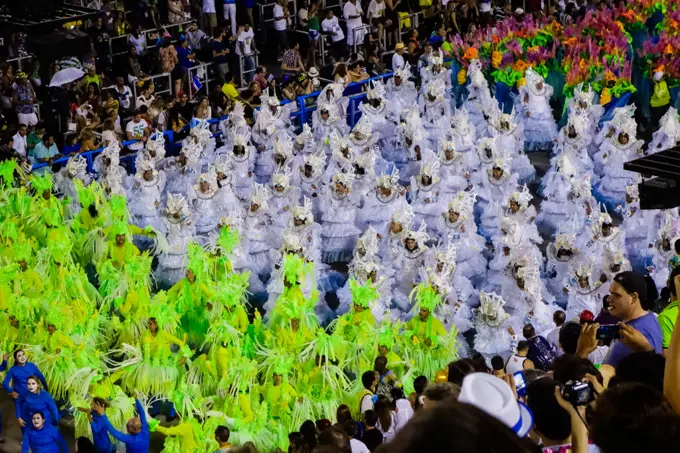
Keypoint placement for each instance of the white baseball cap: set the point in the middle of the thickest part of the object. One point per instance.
(496, 398)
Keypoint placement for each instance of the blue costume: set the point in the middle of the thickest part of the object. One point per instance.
(134, 443)
(100, 435)
(18, 375)
(39, 402)
(44, 440)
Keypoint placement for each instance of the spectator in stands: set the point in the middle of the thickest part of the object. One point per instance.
(375, 14)
(541, 352)
(331, 26)
(229, 87)
(146, 97)
(220, 53)
(20, 141)
(100, 43)
(34, 138)
(414, 49)
(372, 437)
(109, 135)
(340, 74)
(669, 314)
(138, 39)
(45, 152)
(163, 122)
(281, 26)
(203, 111)
(175, 12)
(134, 67)
(559, 318)
(498, 366)
(289, 89)
(195, 36)
(261, 77)
(209, 17)
(120, 24)
(568, 342)
(357, 71)
(229, 11)
(24, 99)
(93, 98)
(123, 94)
(353, 13)
(398, 57)
(7, 150)
(183, 106)
(519, 361)
(137, 129)
(186, 55)
(245, 48)
(291, 62)
(640, 330)
(87, 140)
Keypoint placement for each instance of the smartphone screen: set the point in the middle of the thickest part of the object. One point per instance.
(520, 383)
(269, 79)
(608, 332)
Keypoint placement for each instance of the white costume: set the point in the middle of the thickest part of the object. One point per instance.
(180, 231)
(540, 130)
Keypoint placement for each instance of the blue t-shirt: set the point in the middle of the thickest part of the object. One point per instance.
(183, 56)
(648, 326)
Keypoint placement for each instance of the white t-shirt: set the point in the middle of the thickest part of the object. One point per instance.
(124, 97)
(554, 339)
(391, 431)
(358, 446)
(405, 413)
(279, 25)
(376, 9)
(109, 137)
(515, 364)
(352, 10)
(397, 62)
(332, 26)
(137, 131)
(245, 37)
(209, 6)
(367, 403)
(20, 144)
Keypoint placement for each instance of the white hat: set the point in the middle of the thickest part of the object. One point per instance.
(495, 397)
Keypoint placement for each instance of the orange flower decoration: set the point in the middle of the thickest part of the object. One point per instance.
(630, 15)
(533, 49)
(495, 39)
(571, 41)
(673, 24)
(668, 50)
(521, 66)
(582, 66)
(618, 22)
(609, 77)
(470, 54)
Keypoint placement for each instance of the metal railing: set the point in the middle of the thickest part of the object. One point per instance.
(20, 61)
(205, 79)
(256, 62)
(153, 77)
(146, 33)
(302, 115)
(363, 28)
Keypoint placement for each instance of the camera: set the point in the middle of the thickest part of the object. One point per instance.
(608, 332)
(578, 393)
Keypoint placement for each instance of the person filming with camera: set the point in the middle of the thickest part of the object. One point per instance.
(638, 329)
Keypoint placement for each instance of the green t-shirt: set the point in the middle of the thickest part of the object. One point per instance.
(31, 141)
(313, 23)
(667, 322)
(447, 47)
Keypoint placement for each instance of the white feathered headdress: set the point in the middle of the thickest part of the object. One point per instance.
(487, 150)
(491, 311)
(420, 235)
(389, 181)
(315, 160)
(233, 220)
(532, 77)
(364, 127)
(475, 74)
(177, 204)
(436, 89)
(281, 178)
(376, 90)
(586, 96)
(463, 204)
(580, 187)
(192, 153)
(210, 177)
(305, 136)
(157, 145)
(345, 178)
(76, 166)
(368, 242)
(303, 212)
(202, 132)
(260, 196)
(522, 198)
(445, 145)
(403, 216)
(113, 153)
(283, 146)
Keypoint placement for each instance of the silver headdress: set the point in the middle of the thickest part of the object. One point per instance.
(491, 311)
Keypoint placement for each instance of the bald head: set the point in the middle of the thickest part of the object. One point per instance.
(134, 425)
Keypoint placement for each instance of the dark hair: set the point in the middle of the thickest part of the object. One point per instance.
(85, 445)
(336, 437)
(419, 384)
(308, 429)
(568, 337)
(350, 428)
(568, 367)
(550, 419)
(343, 414)
(380, 362)
(671, 278)
(397, 393)
(47, 136)
(39, 413)
(382, 408)
(634, 418)
(100, 401)
(298, 444)
(370, 418)
(323, 424)
(559, 317)
(17, 351)
(222, 433)
(367, 379)
(522, 345)
(528, 331)
(676, 246)
(641, 368)
(461, 368)
(456, 427)
(497, 363)
(633, 282)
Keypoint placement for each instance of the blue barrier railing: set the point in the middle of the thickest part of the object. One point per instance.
(302, 113)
